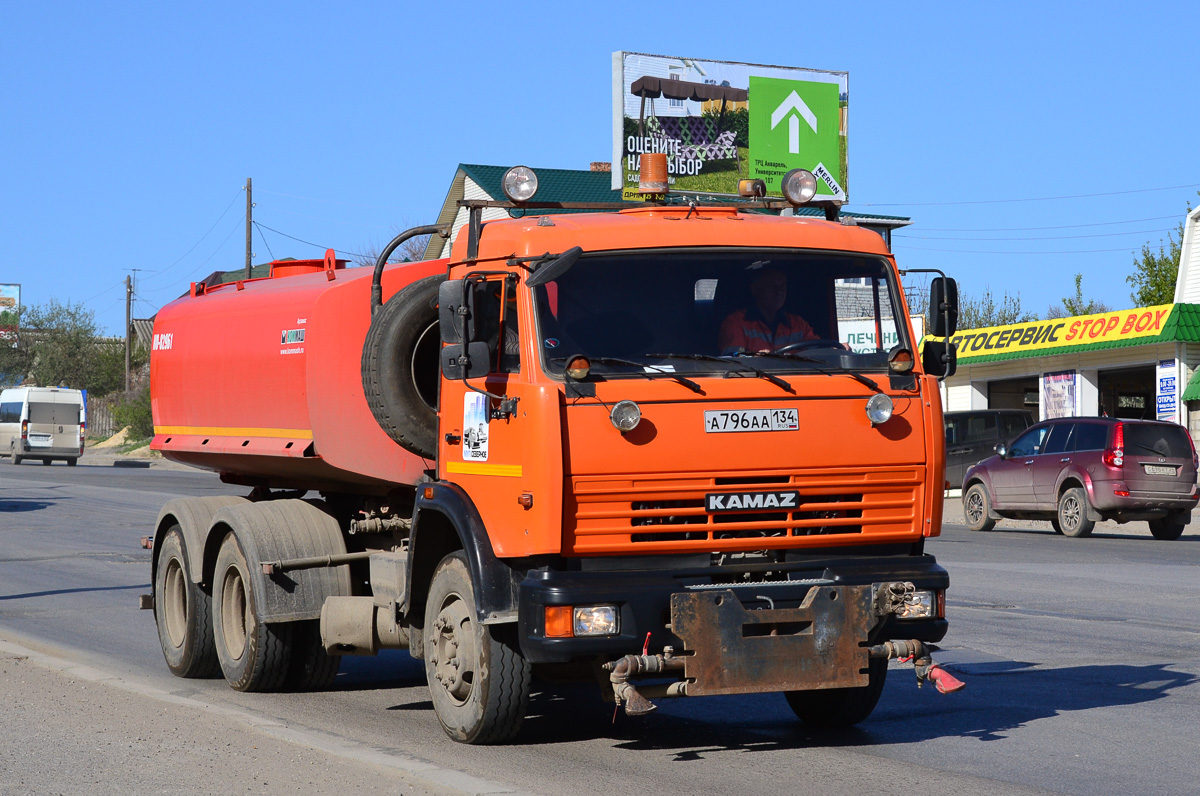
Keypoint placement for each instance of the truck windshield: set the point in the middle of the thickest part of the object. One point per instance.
(652, 313)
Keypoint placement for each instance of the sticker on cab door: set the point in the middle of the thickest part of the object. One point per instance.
(734, 420)
(475, 427)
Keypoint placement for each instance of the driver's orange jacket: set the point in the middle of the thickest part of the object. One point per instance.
(747, 330)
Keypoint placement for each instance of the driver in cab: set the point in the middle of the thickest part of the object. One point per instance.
(764, 326)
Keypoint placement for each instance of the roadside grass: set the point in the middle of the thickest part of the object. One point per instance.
(130, 447)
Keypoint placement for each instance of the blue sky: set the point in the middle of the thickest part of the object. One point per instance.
(129, 129)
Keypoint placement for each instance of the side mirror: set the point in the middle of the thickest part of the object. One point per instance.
(939, 358)
(943, 307)
(456, 312)
(1001, 450)
(468, 361)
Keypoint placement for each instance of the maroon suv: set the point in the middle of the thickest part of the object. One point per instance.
(1075, 471)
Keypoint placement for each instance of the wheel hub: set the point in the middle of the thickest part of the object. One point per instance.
(453, 650)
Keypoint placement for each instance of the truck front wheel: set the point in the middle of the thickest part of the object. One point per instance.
(836, 708)
(254, 655)
(478, 679)
(183, 612)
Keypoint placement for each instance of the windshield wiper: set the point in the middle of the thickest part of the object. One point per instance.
(686, 382)
(827, 371)
(762, 374)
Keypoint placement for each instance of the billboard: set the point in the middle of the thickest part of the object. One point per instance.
(721, 121)
(10, 302)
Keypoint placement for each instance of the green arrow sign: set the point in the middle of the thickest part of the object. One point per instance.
(796, 124)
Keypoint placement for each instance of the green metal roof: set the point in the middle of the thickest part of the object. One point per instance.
(1192, 391)
(1183, 325)
(571, 185)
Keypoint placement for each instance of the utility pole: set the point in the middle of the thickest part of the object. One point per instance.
(128, 324)
(249, 221)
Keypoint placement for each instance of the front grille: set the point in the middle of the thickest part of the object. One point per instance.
(669, 512)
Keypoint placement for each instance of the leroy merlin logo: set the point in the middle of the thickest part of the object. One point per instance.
(795, 124)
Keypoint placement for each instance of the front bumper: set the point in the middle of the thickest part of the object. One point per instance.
(652, 606)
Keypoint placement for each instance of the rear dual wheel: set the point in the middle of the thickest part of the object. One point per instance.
(254, 655)
(182, 612)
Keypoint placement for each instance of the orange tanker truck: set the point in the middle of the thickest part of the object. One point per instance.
(627, 441)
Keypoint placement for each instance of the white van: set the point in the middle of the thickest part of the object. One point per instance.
(44, 423)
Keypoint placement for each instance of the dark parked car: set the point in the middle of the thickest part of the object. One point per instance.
(1075, 471)
(971, 437)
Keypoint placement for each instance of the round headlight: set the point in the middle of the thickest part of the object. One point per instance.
(879, 409)
(520, 183)
(625, 416)
(578, 368)
(799, 186)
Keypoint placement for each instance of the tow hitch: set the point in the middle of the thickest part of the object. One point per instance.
(922, 661)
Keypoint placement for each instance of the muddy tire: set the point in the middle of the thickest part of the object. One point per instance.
(835, 708)
(182, 612)
(400, 362)
(72, 462)
(1072, 513)
(12, 451)
(254, 655)
(977, 509)
(478, 679)
(312, 669)
(1167, 528)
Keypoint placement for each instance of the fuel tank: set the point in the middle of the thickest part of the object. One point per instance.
(261, 379)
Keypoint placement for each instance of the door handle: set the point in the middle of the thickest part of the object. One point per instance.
(1065, 459)
(1028, 462)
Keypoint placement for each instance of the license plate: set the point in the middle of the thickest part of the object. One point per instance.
(1154, 469)
(721, 421)
(40, 440)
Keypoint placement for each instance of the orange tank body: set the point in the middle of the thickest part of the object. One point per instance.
(261, 380)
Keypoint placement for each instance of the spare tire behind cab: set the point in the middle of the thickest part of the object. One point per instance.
(400, 366)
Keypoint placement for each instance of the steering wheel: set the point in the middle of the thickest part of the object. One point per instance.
(803, 344)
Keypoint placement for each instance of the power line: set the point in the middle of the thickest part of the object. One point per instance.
(202, 237)
(1045, 237)
(1030, 199)
(330, 201)
(1039, 229)
(307, 242)
(976, 251)
(264, 240)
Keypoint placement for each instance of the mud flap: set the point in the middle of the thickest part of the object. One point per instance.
(730, 650)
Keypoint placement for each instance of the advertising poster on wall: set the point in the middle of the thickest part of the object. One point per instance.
(1166, 396)
(10, 302)
(719, 122)
(1058, 394)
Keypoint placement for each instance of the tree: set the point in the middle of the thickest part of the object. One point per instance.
(976, 313)
(1154, 273)
(57, 345)
(412, 250)
(1077, 305)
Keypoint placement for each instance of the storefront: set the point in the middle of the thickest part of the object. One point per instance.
(1135, 363)
(1129, 363)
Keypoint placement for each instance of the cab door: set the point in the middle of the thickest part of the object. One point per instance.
(500, 435)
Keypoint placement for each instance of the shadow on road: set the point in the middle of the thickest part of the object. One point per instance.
(144, 587)
(1000, 698)
(23, 504)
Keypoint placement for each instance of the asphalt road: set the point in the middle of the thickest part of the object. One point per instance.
(1081, 657)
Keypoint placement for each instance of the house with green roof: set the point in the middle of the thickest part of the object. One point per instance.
(1138, 363)
(474, 181)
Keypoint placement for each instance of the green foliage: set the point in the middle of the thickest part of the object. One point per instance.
(134, 411)
(1154, 273)
(57, 345)
(1077, 304)
(976, 313)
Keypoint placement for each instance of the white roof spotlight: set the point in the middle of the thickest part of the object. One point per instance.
(799, 186)
(520, 183)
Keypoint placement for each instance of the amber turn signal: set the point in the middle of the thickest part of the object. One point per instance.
(559, 622)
